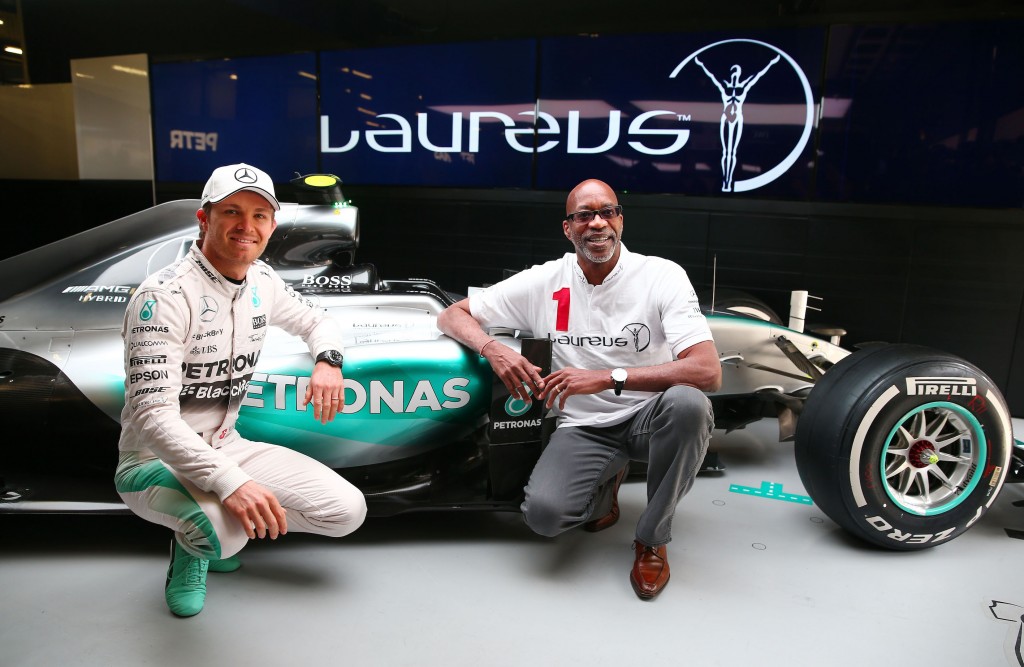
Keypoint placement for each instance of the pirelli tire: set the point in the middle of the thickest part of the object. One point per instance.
(904, 446)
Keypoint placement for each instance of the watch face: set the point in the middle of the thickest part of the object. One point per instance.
(619, 374)
(332, 357)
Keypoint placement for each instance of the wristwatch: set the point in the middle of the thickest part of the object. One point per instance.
(619, 378)
(333, 357)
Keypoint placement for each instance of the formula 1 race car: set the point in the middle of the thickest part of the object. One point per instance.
(903, 446)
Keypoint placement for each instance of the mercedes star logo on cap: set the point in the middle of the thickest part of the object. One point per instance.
(245, 175)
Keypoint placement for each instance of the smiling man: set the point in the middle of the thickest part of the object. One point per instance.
(193, 334)
(631, 354)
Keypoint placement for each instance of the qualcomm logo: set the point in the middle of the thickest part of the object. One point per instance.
(734, 89)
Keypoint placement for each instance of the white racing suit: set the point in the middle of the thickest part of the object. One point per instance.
(192, 339)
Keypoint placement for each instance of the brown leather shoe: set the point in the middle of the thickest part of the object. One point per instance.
(650, 570)
(609, 519)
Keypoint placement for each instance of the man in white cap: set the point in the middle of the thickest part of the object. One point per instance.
(193, 333)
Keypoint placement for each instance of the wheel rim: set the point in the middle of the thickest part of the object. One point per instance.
(933, 458)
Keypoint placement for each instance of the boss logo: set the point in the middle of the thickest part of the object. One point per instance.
(259, 321)
(327, 281)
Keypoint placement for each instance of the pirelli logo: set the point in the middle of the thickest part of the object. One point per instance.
(942, 386)
(145, 360)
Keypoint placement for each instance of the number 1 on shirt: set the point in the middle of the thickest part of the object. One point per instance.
(562, 317)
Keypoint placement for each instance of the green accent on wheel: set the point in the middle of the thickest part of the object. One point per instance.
(952, 484)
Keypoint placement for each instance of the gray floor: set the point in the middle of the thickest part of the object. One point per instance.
(755, 581)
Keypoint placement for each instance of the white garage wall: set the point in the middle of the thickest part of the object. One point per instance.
(112, 117)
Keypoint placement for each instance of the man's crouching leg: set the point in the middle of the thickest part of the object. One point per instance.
(677, 430)
(563, 491)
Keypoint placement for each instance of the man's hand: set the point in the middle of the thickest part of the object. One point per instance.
(327, 391)
(563, 383)
(257, 509)
(514, 370)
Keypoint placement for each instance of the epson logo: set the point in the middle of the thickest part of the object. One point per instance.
(259, 321)
(148, 359)
(151, 328)
(327, 281)
(147, 375)
(942, 386)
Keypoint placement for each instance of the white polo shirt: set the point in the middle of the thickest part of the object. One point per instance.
(644, 313)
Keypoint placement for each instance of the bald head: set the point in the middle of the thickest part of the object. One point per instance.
(588, 191)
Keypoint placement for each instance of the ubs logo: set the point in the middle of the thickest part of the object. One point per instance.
(734, 85)
(641, 335)
(207, 309)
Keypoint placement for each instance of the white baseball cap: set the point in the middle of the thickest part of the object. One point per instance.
(226, 181)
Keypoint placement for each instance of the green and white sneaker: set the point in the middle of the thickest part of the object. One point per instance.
(229, 564)
(185, 590)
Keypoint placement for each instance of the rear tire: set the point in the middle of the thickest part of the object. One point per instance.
(739, 302)
(904, 446)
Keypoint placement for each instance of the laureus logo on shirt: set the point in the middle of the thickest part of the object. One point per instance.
(148, 310)
(641, 335)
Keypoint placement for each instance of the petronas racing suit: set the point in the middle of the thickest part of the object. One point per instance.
(192, 339)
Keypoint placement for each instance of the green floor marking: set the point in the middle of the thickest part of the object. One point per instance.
(771, 490)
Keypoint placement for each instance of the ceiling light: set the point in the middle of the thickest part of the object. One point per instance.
(129, 70)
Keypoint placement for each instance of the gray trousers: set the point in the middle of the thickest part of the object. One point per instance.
(569, 484)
